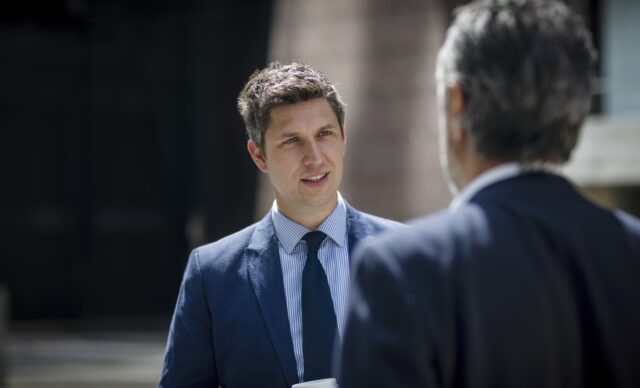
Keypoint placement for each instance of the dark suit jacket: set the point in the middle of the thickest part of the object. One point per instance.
(230, 326)
(528, 285)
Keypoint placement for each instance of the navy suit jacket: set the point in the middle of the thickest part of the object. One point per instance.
(527, 285)
(230, 327)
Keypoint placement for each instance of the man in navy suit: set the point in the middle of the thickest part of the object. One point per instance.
(522, 282)
(263, 307)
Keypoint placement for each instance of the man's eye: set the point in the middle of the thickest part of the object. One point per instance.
(291, 140)
(325, 133)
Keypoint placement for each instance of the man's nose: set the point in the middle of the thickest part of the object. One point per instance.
(312, 154)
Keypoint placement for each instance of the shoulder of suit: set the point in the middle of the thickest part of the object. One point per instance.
(630, 222)
(227, 249)
(375, 222)
(413, 228)
(631, 225)
(430, 235)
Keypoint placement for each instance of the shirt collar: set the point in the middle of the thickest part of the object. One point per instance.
(487, 178)
(497, 174)
(289, 232)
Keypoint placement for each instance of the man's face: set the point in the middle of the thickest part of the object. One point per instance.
(302, 152)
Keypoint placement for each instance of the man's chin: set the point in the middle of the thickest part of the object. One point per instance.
(320, 200)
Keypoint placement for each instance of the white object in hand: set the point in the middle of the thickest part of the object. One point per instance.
(324, 383)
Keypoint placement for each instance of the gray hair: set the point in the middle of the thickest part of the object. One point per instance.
(526, 71)
(277, 85)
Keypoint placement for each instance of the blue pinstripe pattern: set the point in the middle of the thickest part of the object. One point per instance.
(334, 257)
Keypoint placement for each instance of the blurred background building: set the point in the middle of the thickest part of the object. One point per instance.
(122, 150)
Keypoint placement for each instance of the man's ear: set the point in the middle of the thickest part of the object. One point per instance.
(455, 109)
(258, 155)
(344, 133)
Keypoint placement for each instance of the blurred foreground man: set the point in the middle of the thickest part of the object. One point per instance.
(522, 282)
(262, 307)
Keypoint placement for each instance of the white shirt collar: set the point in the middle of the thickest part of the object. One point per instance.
(487, 178)
(500, 173)
(290, 232)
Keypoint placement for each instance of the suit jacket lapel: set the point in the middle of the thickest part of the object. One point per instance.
(265, 275)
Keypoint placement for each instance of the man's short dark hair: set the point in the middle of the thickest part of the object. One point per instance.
(526, 70)
(279, 84)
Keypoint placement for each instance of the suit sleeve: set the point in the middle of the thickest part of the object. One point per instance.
(189, 358)
(385, 343)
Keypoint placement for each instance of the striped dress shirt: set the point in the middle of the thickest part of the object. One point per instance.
(334, 258)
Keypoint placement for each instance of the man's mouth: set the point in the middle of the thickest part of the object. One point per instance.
(316, 178)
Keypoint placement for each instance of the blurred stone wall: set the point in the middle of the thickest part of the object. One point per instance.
(381, 55)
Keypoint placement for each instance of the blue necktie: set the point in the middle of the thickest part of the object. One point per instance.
(319, 325)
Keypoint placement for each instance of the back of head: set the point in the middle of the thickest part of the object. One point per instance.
(526, 72)
(281, 84)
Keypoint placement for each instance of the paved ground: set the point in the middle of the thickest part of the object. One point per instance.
(84, 358)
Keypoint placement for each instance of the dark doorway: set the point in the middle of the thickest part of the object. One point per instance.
(121, 149)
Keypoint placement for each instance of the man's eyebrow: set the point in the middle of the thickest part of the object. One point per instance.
(293, 134)
(326, 126)
(284, 135)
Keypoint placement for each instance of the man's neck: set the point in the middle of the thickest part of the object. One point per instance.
(486, 178)
(475, 166)
(309, 217)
